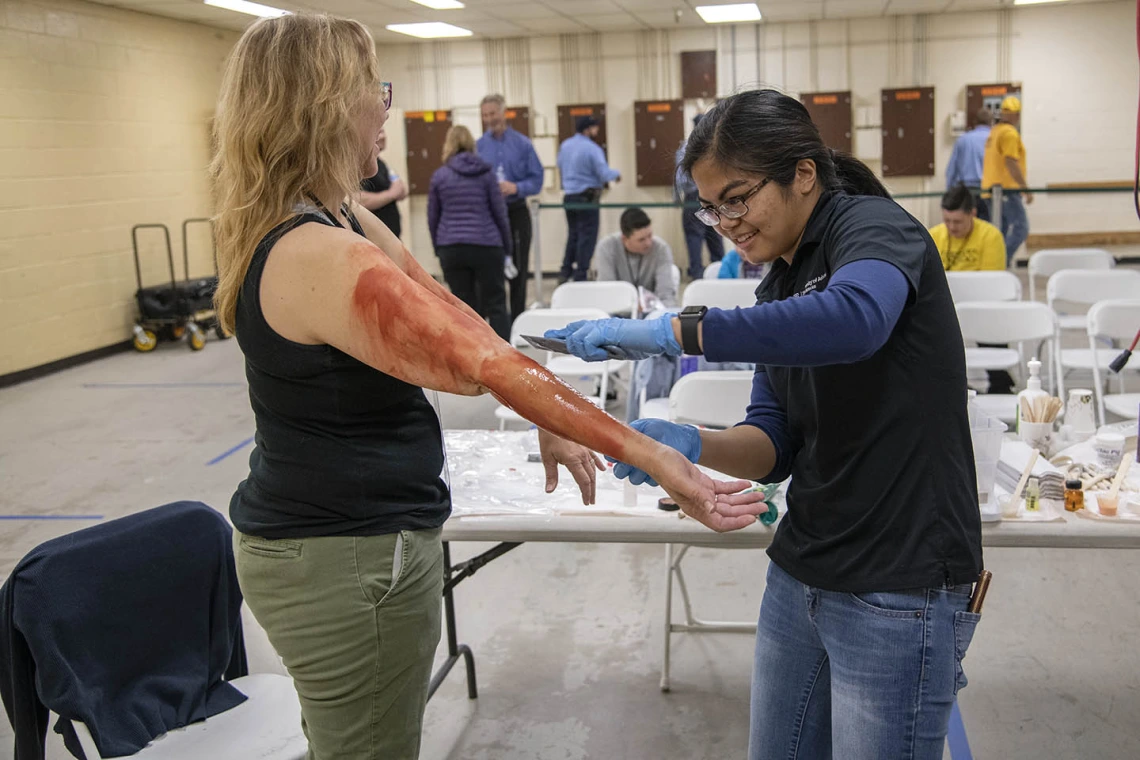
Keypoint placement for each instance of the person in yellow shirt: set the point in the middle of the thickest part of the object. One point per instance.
(1004, 165)
(966, 243)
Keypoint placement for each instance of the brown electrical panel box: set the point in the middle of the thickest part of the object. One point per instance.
(425, 132)
(831, 112)
(659, 128)
(518, 119)
(698, 74)
(989, 96)
(569, 115)
(908, 132)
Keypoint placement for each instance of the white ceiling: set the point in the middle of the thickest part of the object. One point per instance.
(516, 18)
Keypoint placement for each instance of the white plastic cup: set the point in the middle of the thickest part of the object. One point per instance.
(1039, 435)
(1079, 412)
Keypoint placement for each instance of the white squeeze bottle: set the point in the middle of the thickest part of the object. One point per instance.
(1032, 391)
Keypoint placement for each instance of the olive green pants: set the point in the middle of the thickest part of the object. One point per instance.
(356, 622)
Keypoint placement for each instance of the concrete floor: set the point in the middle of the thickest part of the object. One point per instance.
(568, 636)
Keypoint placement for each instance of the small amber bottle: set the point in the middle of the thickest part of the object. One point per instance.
(1074, 496)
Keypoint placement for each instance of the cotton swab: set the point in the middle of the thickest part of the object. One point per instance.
(1106, 504)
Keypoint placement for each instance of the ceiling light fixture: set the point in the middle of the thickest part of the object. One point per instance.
(727, 14)
(441, 5)
(1037, 2)
(430, 30)
(244, 6)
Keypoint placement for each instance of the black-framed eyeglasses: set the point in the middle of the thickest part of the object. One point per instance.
(733, 208)
(386, 94)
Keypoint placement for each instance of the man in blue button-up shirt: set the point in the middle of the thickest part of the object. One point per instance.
(582, 164)
(520, 176)
(966, 159)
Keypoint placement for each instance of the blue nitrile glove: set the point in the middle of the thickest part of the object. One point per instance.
(684, 438)
(632, 338)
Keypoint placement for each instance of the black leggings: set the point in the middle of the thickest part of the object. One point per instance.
(475, 275)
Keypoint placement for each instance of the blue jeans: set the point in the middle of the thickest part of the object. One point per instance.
(581, 236)
(697, 234)
(1014, 224)
(856, 677)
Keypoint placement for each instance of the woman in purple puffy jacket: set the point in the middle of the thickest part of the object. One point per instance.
(467, 218)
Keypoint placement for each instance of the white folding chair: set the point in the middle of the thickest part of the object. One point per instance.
(1084, 288)
(720, 294)
(614, 297)
(266, 725)
(712, 271)
(537, 322)
(710, 399)
(1049, 261)
(1009, 322)
(1116, 320)
(984, 286)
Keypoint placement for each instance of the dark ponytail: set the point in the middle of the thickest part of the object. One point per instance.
(766, 132)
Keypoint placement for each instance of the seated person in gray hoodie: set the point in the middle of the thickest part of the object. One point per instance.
(637, 256)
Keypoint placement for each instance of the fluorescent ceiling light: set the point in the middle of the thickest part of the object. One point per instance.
(244, 6)
(1037, 2)
(441, 5)
(725, 14)
(429, 30)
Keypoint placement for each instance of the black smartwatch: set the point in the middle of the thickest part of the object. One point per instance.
(691, 317)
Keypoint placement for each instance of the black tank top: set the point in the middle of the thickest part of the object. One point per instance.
(341, 448)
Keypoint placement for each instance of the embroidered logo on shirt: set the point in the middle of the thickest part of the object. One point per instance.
(810, 287)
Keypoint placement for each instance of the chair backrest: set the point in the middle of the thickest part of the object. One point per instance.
(712, 271)
(710, 398)
(984, 286)
(538, 321)
(1118, 319)
(1005, 321)
(1087, 287)
(612, 297)
(1048, 261)
(720, 294)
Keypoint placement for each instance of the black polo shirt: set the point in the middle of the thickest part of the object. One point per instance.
(883, 494)
(378, 183)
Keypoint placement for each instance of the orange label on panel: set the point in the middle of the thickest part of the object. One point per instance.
(824, 100)
(999, 90)
(659, 107)
(511, 114)
(413, 114)
(442, 115)
(582, 111)
(908, 95)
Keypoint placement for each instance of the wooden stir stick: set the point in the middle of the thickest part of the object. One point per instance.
(1016, 496)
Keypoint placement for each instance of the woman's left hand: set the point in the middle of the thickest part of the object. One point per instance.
(627, 338)
(582, 463)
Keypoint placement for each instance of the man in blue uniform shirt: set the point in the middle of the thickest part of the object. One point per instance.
(520, 176)
(967, 157)
(582, 164)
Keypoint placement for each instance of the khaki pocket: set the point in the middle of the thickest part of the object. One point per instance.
(273, 548)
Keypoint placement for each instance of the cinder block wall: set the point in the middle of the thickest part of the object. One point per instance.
(103, 124)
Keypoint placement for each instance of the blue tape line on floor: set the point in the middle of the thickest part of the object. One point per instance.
(230, 452)
(956, 736)
(164, 385)
(51, 517)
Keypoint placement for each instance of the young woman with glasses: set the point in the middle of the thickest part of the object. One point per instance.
(860, 397)
(337, 540)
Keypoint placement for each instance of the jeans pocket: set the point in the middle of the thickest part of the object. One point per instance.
(272, 548)
(964, 625)
(892, 604)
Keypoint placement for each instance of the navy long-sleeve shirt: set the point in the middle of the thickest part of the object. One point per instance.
(847, 322)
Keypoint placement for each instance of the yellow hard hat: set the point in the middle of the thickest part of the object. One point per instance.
(1012, 103)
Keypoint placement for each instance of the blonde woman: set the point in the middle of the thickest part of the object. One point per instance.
(337, 536)
(467, 218)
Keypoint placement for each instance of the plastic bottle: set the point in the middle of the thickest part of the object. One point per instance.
(1032, 495)
(1032, 391)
